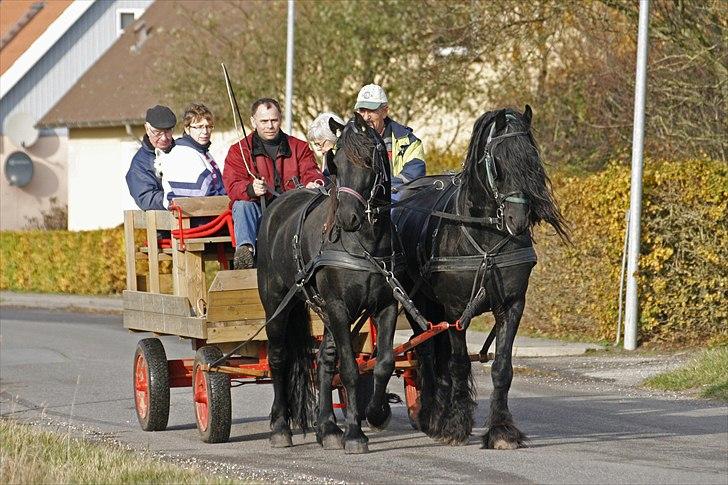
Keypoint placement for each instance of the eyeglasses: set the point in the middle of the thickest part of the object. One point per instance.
(158, 133)
(202, 127)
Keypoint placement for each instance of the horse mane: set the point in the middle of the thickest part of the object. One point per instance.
(356, 145)
(519, 164)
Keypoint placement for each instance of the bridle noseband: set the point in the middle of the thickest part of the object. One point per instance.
(488, 159)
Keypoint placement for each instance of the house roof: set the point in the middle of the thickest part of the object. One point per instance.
(22, 22)
(120, 86)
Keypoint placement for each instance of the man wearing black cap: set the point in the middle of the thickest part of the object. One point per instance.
(145, 184)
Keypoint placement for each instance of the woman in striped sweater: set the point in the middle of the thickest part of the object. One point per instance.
(189, 169)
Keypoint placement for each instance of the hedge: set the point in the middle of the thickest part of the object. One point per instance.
(88, 262)
(573, 292)
(683, 275)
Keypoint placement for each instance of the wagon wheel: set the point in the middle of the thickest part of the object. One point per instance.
(151, 385)
(211, 393)
(412, 397)
(364, 391)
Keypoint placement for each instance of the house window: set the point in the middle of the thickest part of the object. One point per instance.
(125, 17)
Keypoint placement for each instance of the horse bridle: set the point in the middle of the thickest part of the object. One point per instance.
(491, 171)
(380, 178)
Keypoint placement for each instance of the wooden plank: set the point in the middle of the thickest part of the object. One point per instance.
(157, 303)
(178, 270)
(164, 219)
(234, 297)
(130, 250)
(203, 206)
(153, 252)
(402, 322)
(235, 279)
(237, 331)
(165, 255)
(207, 240)
(195, 278)
(190, 327)
(224, 313)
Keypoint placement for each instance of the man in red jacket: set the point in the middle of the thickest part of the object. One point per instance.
(277, 160)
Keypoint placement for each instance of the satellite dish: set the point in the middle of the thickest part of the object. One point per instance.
(18, 169)
(19, 127)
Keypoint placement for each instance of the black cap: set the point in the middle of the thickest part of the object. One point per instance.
(161, 117)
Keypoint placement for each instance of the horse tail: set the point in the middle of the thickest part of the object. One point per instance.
(301, 376)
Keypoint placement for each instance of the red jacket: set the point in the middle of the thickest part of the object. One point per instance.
(295, 159)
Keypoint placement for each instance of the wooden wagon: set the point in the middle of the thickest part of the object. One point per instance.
(179, 285)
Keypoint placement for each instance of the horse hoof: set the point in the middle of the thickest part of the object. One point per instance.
(355, 447)
(281, 440)
(379, 424)
(501, 444)
(332, 442)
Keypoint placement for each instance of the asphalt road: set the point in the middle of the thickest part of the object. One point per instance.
(74, 371)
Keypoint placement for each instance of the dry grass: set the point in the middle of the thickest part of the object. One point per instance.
(31, 455)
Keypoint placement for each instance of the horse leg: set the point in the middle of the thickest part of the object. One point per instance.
(378, 411)
(355, 441)
(501, 433)
(279, 366)
(328, 433)
(458, 423)
(435, 407)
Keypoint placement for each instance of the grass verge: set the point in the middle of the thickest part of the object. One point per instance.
(31, 455)
(708, 372)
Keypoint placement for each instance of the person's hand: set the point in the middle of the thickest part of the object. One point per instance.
(313, 185)
(259, 187)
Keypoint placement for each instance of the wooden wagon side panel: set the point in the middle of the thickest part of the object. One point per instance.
(162, 314)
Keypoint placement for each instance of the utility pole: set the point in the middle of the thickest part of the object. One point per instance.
(289, 65)
(635, 193)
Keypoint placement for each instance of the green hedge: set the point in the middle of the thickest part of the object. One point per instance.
(683, 280)
(88, 262)
(683, 276)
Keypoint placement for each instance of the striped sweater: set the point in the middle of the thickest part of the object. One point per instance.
(189, 171)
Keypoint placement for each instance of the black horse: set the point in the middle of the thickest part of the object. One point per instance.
(468, 249)
(333, 253)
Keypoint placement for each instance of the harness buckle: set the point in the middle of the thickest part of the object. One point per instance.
(499, 224)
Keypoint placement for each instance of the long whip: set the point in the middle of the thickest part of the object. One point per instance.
(236, 111)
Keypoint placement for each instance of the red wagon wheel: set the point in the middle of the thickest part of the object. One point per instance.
(211, 393)
(151, 385)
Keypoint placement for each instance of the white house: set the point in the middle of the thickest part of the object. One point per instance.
(45, 48)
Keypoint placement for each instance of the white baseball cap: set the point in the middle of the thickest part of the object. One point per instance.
(371, 96)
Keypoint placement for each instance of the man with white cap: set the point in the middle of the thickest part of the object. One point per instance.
(406, 154)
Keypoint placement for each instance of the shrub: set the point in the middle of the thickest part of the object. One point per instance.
(683, 268)
(88, 262)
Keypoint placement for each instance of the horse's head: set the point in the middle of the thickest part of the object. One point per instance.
(361, 172)
(504, 158)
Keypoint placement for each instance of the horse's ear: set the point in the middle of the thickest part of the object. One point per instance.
(500, 120)
(330, 161)
(359, 122)
(527, 116)
(336, 127)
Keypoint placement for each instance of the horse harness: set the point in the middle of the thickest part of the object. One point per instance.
(485, 262)
(385, 265)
